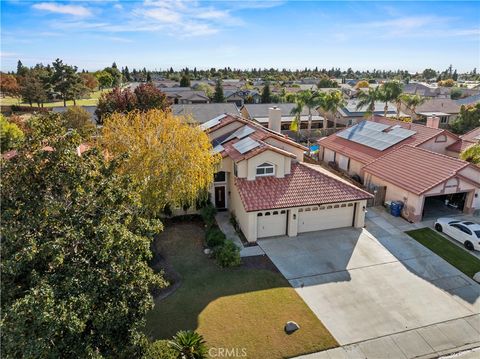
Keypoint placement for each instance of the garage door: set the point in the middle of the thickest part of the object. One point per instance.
(271, 223)
(318, 218)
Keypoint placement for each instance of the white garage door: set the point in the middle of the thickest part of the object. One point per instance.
(271, 223)
(318, 218)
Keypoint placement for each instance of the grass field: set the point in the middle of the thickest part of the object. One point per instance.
(92, 101)
(454, 255)
(232, 308)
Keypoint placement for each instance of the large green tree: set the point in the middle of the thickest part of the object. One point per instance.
(67, 81)
(266, 94)
(218, 94)
(468, 119)
(391, 91)
(368, 99)
(75, 250)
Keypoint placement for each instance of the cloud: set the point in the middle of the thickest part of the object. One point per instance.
(74, 10)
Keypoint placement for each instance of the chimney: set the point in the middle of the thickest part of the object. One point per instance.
(274, 118)
(433, 121)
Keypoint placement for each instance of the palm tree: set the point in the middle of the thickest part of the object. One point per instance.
(307, 99)
(412, 101)
(189, 345)
(368, 99)
(391, 92)
(331, 102)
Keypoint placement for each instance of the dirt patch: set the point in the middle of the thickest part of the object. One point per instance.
(259, 262)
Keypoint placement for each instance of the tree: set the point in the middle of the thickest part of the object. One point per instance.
(149, 77)
(21, 70)
(362, 85)
(205, 88)
(171, 160)
(368, 99)
(185, 81)
(325, 82)
(429, 74)
(67, 81)
(126, 74)
(391, 92)
(468, 119)
(11, 136)
(90, 81)
(331, 102)
(218, 95)
(455, 94)
(189, 345)
(471, 154)
(75, 250)
(9, 85)
(446, 83)
(266, 94)
(32, 88)
(149, 97)
(79, 119)
(105, 80)
(116, 75)
(412, 101)
(117, 100)
(307, 99)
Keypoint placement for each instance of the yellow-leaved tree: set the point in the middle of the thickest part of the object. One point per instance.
(173, 161)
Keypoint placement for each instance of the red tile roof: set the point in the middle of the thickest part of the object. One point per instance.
(365, 154)
(415, 169)
(465, 141)
(304, 186)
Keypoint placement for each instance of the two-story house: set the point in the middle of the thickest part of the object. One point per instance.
(264, 183)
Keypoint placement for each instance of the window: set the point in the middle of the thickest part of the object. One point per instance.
(265, 169)
(350, 205)
(443, 119)
(275, 213)
(343, 205)
(219, 177)
(267, 213)
(441, 138)
(259, 214)
(462, 228)
(477, 233)
(282, 212)
(336, 206)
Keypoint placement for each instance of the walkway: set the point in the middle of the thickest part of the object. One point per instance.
(223, 221)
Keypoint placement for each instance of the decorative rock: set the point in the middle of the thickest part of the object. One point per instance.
(476, 277)
(291, 327)
(207, 251)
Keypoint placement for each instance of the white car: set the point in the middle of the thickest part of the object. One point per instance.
(465, 232)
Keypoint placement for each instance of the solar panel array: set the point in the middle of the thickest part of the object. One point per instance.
(218, 149)
(240, 133)
(245, 145)
(213, 122)
(375, 135)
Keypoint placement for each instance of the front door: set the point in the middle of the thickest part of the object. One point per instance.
(220, 197)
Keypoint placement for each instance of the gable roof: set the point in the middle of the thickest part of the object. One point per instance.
(466, 140)
(439, 105)
(366, 154)
(415, 169)
(261, 109)
(304, 186)
(203, 112)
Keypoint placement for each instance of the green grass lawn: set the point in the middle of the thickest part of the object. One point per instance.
(454, 255)
(231, 308)
(91, 101)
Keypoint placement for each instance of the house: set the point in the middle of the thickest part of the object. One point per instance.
(203, 112)
(424, 180)
(239, 97)
(349, 114)
(470, 138)
(260, 114)
(446, 109)
(185, 95)
(468, 101)
(424, 90)
(353, 148)
(263, 182)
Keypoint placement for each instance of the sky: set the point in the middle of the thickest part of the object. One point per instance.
(242, 34)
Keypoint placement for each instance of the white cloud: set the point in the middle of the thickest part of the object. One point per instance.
(74, 10)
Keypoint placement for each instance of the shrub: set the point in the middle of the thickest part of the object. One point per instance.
(214, 237)
(233, 221)
(228, 254)
(160, 349)
(167, 210)
(189, 345)
(208, 214)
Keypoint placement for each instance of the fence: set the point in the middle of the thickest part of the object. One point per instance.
(379, 195)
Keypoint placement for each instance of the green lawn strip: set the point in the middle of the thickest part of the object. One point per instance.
(232, 308)
(92, 101)
(454, 255)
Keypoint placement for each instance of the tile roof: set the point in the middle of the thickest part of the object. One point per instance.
(465, 141)
(415, 169)
(203, 112)
(304, 186)
(366, 154)
(439, 105)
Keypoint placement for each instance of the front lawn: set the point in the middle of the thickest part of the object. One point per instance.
(454, 255)
(232, 308)
(91, 101)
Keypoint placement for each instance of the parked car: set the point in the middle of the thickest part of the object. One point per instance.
(465, 232)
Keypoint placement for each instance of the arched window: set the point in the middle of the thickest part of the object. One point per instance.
(265, 169)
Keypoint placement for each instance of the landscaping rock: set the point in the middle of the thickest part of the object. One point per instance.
(291, 327)
(207, 251)
(476, 277)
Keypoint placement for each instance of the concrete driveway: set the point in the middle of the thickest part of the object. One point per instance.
(362, 287)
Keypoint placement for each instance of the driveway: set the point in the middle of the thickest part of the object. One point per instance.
(363, 287)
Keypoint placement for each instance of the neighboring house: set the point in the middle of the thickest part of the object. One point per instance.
(185, 95)
(239, 97)
(470, 138)
(350, 115)
(419, 178)
(446, 109)
(260, 113)
(416, 88)
(204, 112)
(468, 101)
(263, 182)
(90, 109)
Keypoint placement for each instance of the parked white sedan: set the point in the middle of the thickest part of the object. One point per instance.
(465, 232)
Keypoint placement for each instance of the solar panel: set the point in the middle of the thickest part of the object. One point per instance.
(213, 122)
(245, 145)
(240, 133)
(218, 149)
(375, 135)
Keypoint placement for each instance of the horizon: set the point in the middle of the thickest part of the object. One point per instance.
(269, 34)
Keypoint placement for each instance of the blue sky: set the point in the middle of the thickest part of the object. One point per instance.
(246, 34)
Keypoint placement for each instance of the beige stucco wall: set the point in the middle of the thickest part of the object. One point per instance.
(438, 144)
(298, 152)
(328, 155)
(280, 162)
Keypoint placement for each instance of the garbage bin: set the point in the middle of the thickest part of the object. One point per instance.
(396, 208)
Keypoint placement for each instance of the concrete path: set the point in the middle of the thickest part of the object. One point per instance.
(433, 341)
(223, 221)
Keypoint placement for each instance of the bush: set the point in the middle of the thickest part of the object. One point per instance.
(160, 349)
(233, 221)
(214, 237)
(228, 255)
(208, 214)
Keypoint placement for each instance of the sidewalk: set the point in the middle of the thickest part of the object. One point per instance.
(223, 221)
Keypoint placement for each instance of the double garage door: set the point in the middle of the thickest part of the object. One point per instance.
(313, 218)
